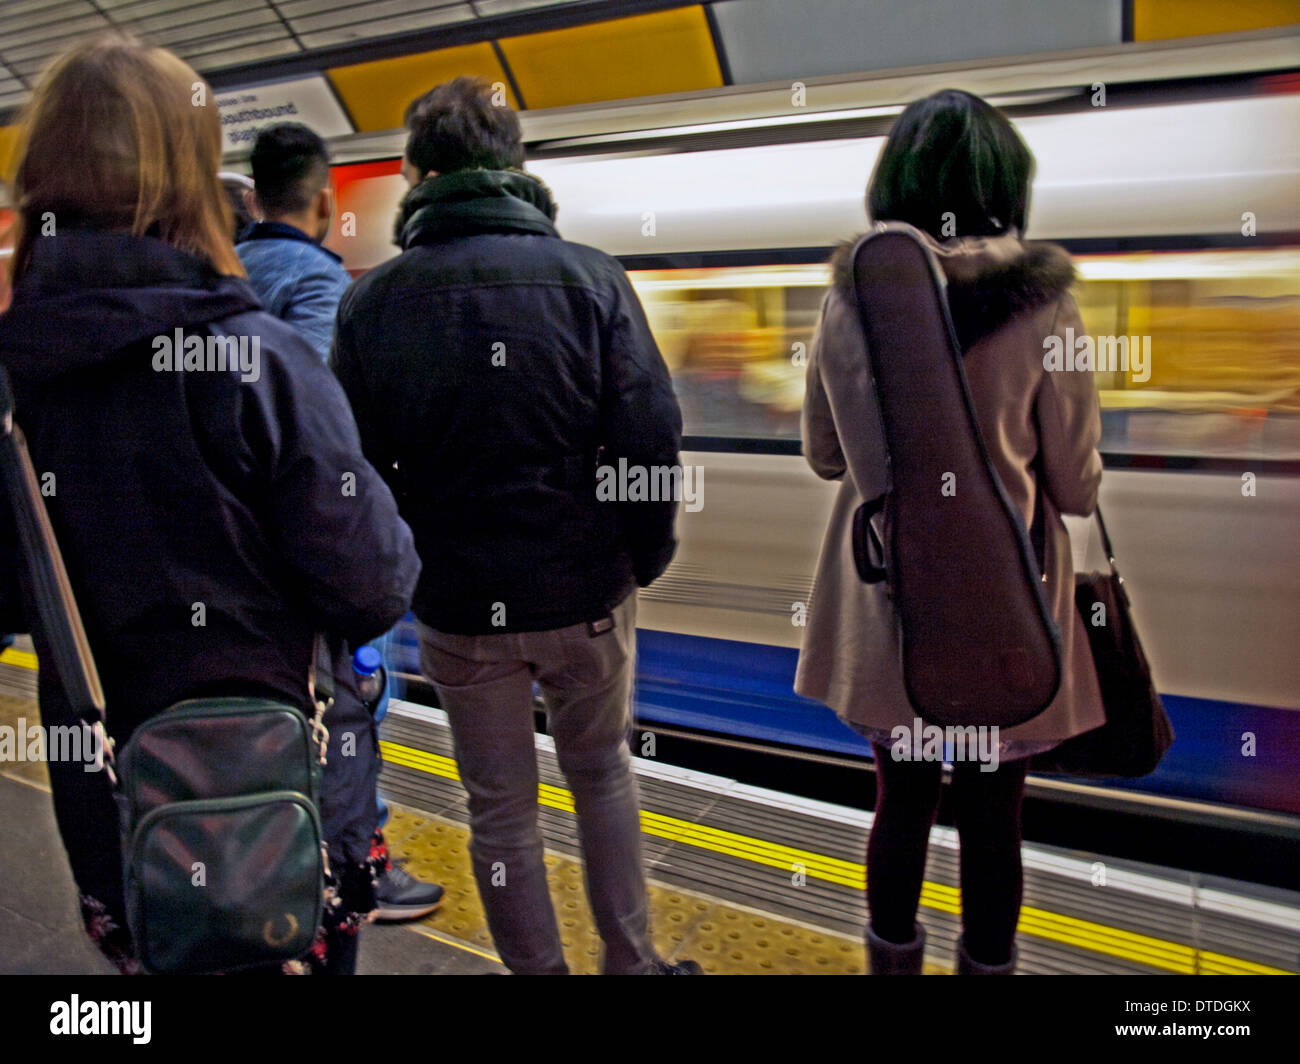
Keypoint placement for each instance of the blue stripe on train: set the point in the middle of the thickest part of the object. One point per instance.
(746, 690)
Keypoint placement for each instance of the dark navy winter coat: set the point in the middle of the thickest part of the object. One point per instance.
(211, 519)
(492, 368)
(210, 523)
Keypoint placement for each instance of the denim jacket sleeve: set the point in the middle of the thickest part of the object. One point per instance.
(313, 305)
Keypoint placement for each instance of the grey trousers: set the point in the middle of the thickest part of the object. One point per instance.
(485, 684)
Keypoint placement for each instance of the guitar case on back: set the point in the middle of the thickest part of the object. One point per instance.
(979, 644)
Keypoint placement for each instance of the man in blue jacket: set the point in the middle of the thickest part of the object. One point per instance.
(300, 282)
(297, 279)
(494, 369)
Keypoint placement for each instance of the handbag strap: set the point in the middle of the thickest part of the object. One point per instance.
(1038, 530)
(1105, 545)
(53, 606)
(47, 587)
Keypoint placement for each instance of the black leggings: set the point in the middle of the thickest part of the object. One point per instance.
(987, 812)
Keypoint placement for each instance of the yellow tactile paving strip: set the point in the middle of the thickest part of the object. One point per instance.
(726, 940)
(723, 939)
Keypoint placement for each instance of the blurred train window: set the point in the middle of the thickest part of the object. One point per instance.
(736, 339)
(1225, 351)
(1224, 329)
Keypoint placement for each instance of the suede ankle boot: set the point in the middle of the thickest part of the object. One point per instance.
(892, 958)
(967, 965)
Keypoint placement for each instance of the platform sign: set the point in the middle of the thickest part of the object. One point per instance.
(307, 100)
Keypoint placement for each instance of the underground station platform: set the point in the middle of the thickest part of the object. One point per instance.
(742, 879)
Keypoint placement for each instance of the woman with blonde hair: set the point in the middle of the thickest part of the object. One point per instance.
(197, 503)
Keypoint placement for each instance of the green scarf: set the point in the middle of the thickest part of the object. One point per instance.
(464, 202)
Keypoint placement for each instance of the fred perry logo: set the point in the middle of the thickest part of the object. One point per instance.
(276, 941)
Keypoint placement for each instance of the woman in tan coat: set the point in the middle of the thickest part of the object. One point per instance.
(955, 168)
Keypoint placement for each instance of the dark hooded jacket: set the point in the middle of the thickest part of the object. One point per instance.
(211, 521)
(492, 368)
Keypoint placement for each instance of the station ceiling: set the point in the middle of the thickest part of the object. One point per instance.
(378, 54)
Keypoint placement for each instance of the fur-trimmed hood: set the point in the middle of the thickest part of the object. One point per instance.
(990, 279)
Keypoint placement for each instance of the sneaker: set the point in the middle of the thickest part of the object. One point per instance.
(680, 968)
(400, 896)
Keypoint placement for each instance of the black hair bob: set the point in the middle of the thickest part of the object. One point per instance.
(953, 166)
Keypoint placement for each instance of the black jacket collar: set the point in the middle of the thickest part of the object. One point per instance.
(283, 231)
(466, 202)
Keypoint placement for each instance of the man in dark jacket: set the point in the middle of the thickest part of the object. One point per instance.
(204, 479)
(493, 368)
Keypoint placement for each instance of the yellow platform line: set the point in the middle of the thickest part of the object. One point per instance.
(759, 851)
(23, 659)
(456, 943)
(1099, 938)
(1041, 923)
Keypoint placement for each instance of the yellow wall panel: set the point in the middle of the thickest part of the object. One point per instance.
(1155, 20)
(377, 93)
(643, 55)
(8, 144)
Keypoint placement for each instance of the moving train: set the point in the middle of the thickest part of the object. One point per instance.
(1180, 199)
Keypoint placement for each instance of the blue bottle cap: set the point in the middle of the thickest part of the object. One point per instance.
(367, 660)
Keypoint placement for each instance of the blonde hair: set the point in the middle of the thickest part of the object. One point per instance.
(123, 136)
